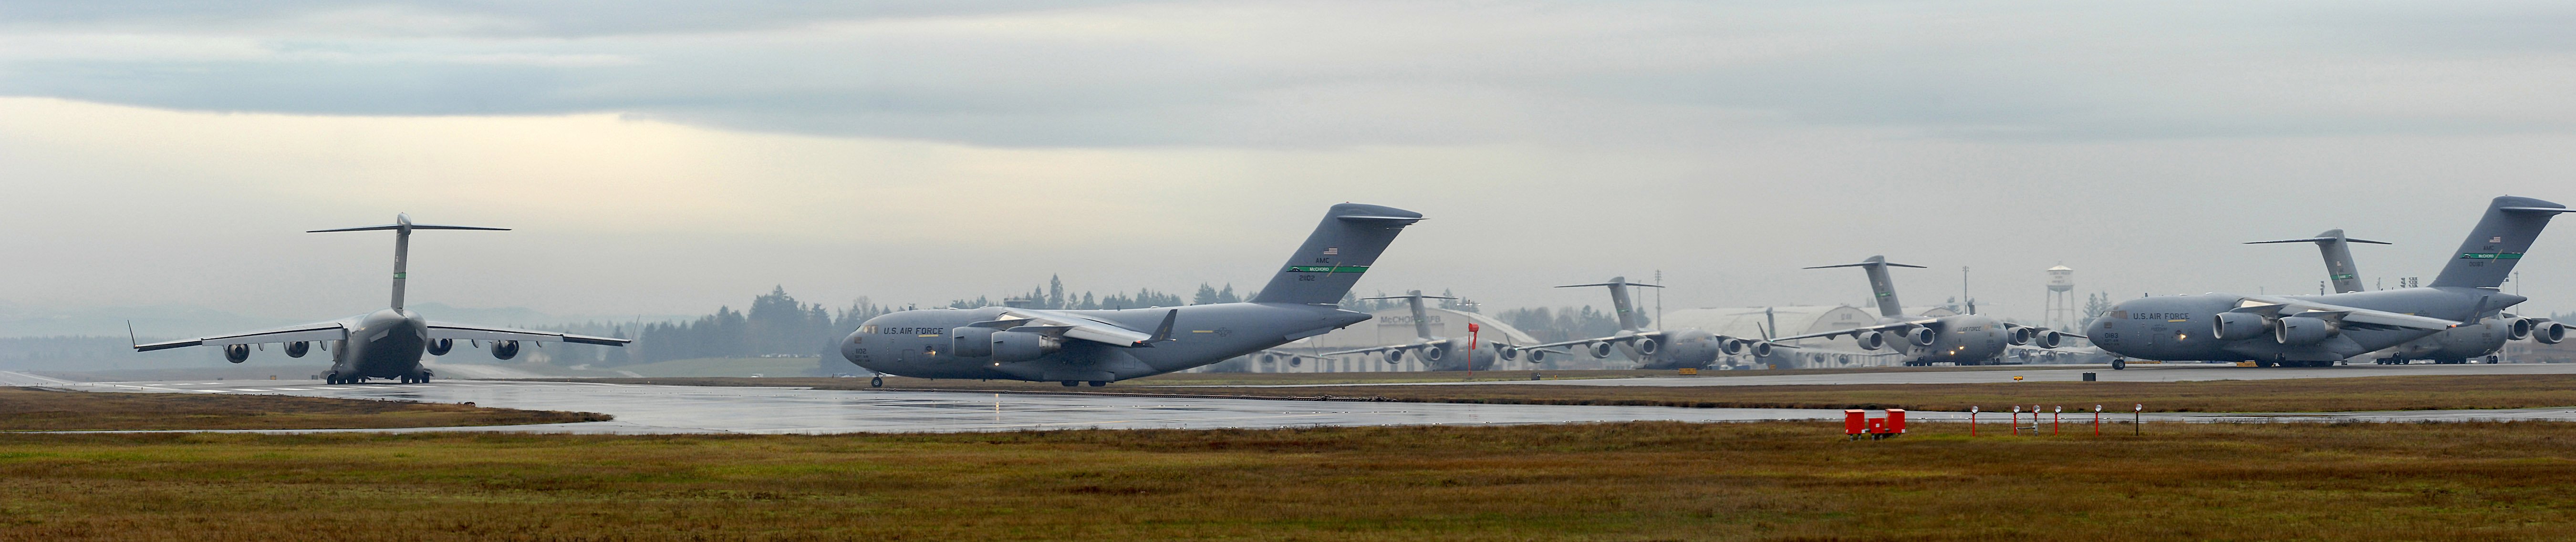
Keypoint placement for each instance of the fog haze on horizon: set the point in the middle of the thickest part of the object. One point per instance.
(667, 158)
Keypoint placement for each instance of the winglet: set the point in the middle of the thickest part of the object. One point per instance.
(130, 339)
(1162, 332)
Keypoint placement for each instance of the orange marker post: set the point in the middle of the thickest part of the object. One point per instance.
(2097, 420)
(1471, 350)
(1972, 421)
(2054, 415)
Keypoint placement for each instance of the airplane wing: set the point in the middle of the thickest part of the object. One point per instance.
(1375, 349)
(1856, 331)
(2349, 315)
(317, 331)
(1613, 338)
(444, 330)
(1086, 328)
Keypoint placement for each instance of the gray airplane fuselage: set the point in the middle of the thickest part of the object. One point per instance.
(1964, 339)
(922, 343)
(2179, 327)
(387, 343)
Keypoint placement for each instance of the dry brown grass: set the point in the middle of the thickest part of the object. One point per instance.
(2427, 392)
(34, 409)
(1633, 481)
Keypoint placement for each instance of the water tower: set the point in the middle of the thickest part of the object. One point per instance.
(2061, 297)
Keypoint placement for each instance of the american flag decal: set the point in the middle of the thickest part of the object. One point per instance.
(2496, 239)
(1329, 251)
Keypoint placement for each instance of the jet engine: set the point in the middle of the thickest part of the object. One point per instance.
(1871, 340)
(2549, 332)
(2048, 338)
(1538, 356)
(2517, 328)
(1019, 346)
(236, 353)
(1395, 356)
(1730, 345)
(2234, 326)
(972, 342)
(2021, 335)
(298, 348)
(1762, 350)
(1508, 353)
(1647, 345)
(2301, 330)
(1922, 336)
(505, 349)
(1434, 353)
(1599, 350)
(440, 347)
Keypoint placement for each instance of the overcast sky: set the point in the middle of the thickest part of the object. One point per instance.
(668, 157)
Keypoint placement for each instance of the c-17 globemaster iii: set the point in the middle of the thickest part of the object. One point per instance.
(1436, 352)
(2320, 330)
(2455, 345)
(387, 343)
(1103, 346)
(1959, 339)
(1652, 348)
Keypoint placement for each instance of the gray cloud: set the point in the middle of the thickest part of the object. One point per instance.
(1324, 74)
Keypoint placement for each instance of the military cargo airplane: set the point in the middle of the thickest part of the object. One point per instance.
(1103, 346)
(1653, 349)
(1960, 339)
(1437, 353)
(2455, 345)
(387, 343)
(2320, 330)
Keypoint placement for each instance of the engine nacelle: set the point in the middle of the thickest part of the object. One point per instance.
(1730, 345)
(236, 353)
(2237, 326)
(1434, 353)
(2516, 329)
(440, 347)
(2021, 335)
(1762, 350)
(1019, 346)
(2549, 332)
(1538, 356)
(1871, 340)
(1647, 345)
(1508, 353)
(972, 342)
(2301, 330)
(1395, 356)
(1599, 350)
(505, 349)
(1922, 336)
(298, 348)
(2048, 338)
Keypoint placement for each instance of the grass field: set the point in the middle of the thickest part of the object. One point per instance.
(1635, 481)
(32, 409)
(2428, 392)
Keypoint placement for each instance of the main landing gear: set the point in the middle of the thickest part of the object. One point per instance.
(1094, 383)
(876, 381)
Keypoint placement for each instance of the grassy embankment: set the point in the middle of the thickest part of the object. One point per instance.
(1635, 481)
(2428, 392)
(30, 409)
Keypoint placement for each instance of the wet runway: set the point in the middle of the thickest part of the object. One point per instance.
(2068, 373)
(702, 409)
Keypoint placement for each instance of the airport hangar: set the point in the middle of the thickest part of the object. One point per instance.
(1391, 326)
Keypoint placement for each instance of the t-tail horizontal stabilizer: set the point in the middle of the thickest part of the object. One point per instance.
(1879, 285)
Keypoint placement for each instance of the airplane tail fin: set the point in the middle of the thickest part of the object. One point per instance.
(1333, 258)
(2487, 257)
(1619, 300)
(1879, 285)
(402, 228)
(1421, 316)
(2337, 250)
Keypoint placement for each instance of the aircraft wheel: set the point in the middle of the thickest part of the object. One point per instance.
(876, 381)
(1069, 383)
(1099, 383)
(2119, 364)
